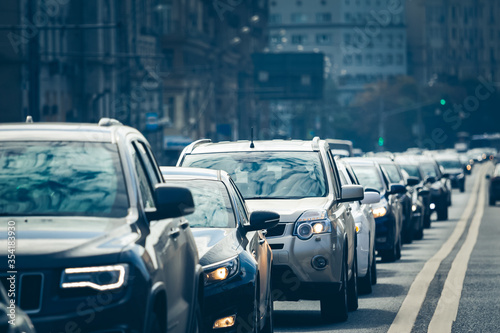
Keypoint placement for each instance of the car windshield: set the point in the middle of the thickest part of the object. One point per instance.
(428, 169)
(496, 173)
(212, 204)
(412, 170)
(61, 179)
(392, 171)
(269, 175)
(450, 164)
(369, 176)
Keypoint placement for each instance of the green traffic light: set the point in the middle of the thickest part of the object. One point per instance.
(380, 141)
(443, 102)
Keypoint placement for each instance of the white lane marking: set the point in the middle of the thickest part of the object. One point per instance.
(407, 314)
(447, 307)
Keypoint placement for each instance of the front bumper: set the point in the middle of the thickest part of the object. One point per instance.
(384, 232)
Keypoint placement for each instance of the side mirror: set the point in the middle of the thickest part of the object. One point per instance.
(171, 202)
(260, 220)
(430, 179)
(446, 175)
(352, 193)
(412, 181)
(488, 176)
(371, 197)
(397, 189)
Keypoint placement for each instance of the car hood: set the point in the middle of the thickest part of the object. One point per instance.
(66, 237)
(288, 209)
(216, 244)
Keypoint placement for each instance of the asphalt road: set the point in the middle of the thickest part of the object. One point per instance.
(449, 281)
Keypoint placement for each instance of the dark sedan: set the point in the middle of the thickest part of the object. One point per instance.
(388, 213)
(494, 187)
(452, 166)
(233, 251)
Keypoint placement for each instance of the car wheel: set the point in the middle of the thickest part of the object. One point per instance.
(365, 283)
(493, 202)
(442, 212)
(374, 268)
(268, 326)
(398, 248)
(462, 187)
(334, 304)
(352, 286)
(154, 324)
(427, 220)
(420, 233)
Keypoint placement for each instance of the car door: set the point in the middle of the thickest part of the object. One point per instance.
(258, 248)
(167, 242)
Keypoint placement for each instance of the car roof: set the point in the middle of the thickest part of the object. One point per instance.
(206, 147)
(381, 160)
(192, 173)
(360, 161)
(62, 132)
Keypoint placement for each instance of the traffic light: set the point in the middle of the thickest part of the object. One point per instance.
(380, 141)
(443, 102)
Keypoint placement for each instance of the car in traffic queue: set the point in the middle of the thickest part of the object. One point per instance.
(388, 213)
(453, 168)
(439, 186)
(100, 242)
(365, 229)
(494, 186)
(233, 251)
(412, 222)
(314, 245)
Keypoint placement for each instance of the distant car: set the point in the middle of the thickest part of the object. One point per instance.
(453, 168)
(388, 213)
(439, 186)
(341, 148)
(494, 186)
(315, 242)
(420, 193)
(12, 318)
(234, 253)
(101, 245)
(466, 164)
(365, 229)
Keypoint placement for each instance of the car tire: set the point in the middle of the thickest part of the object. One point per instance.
(492, 200)
(269, 326)
(427, 220)
(442, 212)
(365, 282)
(334, 305)
(374, 268)
(419, 234)
(462, 187)
(399, 246)
(352, 286)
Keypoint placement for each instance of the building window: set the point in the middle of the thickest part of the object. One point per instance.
(323, 17)
(347, 17)
(399, 59)
(369, 60)
(299, 39)
(299, 18)
(275, 39)
(390, 59)
(347, 39)
(378, 60)
(390, 41)
(347, 60)
(275, 19)
(323, 39)
(358, 60)
(273, 3)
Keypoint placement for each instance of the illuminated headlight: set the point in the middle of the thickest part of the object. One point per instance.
(414, 208)
(224, 322)
(379, 212)
(358, 227)
(98, 278)
(433, 206)
(221, 271)
(469, 167)
(312, 222)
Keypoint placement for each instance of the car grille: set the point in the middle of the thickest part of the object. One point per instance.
(276, 231)
(28, 293)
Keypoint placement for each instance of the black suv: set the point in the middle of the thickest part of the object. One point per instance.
(98, 243)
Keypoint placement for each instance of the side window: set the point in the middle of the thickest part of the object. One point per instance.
(335, 176)
(145, 188)
(148, 162)
(240, 206)
(343, 179)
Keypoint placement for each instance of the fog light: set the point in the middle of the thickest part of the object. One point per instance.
(319, 262)
(224, 322)
(433, 206)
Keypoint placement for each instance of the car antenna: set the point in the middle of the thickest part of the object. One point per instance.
(251, 138)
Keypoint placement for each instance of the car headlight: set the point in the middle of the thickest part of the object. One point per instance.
(312, 222)
(98, 278)
(358, 227)
(379, 212)
(460, 176)
(221, 271)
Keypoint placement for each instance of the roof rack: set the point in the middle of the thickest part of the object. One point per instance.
(109, 122)
(315, 143)
(192, 146)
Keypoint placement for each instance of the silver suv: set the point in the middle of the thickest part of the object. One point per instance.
(314, 244)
